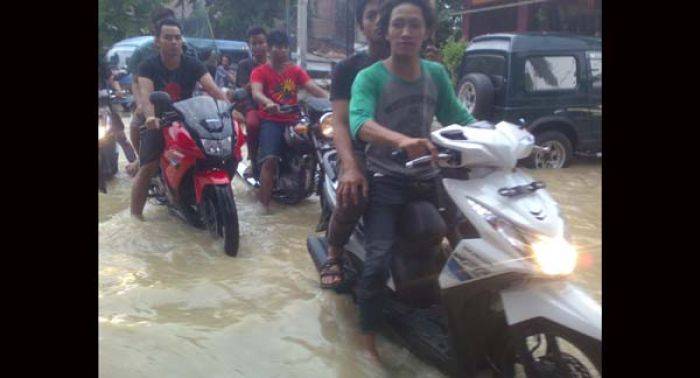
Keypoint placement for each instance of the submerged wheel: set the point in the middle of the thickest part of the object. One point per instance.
(559, 156)
(221, 217)
(548, 351)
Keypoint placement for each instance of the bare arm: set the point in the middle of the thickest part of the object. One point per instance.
(352, 181)
(136, 92)
(315, 90)
(258, 95)
(211, 88)
(374, 133)
(341, 134)
(269, 105)
(145, 89)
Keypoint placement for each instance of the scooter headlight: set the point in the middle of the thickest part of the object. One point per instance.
(326, 124)
(502, 226)
(555, 256)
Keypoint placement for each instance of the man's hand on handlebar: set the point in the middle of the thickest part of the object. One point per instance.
(416, 147)
(152, 123)
(272, 108)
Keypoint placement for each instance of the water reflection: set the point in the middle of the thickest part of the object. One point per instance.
(173, 304)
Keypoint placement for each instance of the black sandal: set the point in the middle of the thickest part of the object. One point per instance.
(327, 272)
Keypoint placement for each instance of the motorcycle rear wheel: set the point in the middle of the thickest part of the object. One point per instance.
(548, 351)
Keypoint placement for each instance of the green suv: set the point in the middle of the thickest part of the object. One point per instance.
(549, 83)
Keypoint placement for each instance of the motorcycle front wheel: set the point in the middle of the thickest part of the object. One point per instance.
(221, 216)
(550, 351)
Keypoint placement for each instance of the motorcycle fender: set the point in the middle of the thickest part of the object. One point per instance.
(210, 177)
(558, 301)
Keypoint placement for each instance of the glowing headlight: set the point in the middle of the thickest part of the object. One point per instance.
(327, 125)
(101, 132)
(555, 256)
(301, 128)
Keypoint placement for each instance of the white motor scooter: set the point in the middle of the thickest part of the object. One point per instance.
(497, 295)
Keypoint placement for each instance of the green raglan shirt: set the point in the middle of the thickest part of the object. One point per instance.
(405, 107)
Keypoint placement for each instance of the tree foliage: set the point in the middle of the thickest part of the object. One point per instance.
(452, 52)
(447, 26)
(231, 19)
(119, 19)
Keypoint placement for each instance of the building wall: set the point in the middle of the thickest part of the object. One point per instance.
(575, 16)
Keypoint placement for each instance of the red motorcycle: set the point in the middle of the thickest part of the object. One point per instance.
(197, 164)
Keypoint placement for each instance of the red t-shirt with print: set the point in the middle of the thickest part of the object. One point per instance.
(281, 88)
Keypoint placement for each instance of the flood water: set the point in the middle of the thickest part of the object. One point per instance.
(172, 304)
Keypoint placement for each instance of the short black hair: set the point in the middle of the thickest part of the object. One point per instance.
(385, 13)
(278, 38)
(168, 22)
(360, 9)
(160, 13)
(256, 30)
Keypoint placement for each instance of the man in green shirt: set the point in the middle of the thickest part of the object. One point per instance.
(392, 107)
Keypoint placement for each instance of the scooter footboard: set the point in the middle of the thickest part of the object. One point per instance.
(558, 301)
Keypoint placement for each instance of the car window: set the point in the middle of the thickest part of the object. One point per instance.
(547, 73)
(486, 64)
(595, 58)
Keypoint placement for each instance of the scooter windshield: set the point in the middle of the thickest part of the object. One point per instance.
(204, 111)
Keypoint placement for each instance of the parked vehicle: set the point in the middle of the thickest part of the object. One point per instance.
(481, 281)
(119, 54)
(550, 82)
(298, 170)
(197, 165)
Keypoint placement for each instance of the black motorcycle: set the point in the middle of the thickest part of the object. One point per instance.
(298, 174)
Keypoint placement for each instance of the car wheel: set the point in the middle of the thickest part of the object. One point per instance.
(559, 155)
(476, 93)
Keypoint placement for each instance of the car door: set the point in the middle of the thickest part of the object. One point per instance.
(595, 88)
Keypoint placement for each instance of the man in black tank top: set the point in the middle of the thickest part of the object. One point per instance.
(352, 183)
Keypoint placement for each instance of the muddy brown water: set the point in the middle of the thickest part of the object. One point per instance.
(172, 304)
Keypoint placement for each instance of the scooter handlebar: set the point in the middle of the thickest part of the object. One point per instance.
(427, 158)
(401, 157)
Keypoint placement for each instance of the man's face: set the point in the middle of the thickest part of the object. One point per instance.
(258, 46)
(224, 61)
(406, 30)
(170, 40)
(279, 54)
(370, 18)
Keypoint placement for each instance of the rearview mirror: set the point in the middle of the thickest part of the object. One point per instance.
(239, 94)
(161, 102)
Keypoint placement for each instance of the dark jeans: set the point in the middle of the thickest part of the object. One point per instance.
(387, 199)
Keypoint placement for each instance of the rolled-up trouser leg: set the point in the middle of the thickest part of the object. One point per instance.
(343, 221)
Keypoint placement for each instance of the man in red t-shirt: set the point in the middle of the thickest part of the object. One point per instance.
(276, 83)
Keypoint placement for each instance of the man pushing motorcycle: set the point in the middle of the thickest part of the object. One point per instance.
(177, 75)
(273, 84)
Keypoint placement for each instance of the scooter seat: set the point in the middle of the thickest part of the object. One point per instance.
(422, 224)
